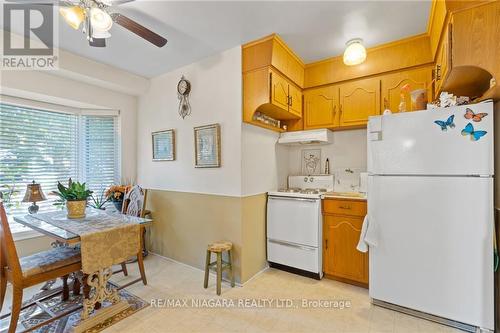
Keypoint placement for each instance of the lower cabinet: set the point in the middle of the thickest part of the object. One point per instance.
(341, 260)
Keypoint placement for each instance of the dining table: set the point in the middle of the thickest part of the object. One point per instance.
(106, 238)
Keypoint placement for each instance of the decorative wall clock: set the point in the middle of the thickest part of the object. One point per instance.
(183, 90)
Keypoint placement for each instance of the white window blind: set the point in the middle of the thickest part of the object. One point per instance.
(100, 158)
(48, 147)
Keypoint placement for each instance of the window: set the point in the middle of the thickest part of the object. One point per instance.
(48, 146)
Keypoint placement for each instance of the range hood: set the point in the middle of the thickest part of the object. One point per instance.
(320, 136)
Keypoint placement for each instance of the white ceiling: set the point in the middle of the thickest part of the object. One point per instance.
(195, 30)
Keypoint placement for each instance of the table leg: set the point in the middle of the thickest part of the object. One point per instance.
(98, 282)
(76, 283)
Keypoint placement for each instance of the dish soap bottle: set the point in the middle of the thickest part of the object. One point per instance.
(327, 167)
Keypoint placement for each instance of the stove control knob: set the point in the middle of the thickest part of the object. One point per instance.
(311, 179)
(305, 179)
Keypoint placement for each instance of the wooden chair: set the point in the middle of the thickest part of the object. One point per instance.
(31, 270)
(134, 204)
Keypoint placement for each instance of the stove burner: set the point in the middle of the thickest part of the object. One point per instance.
(290, 190)
(310, 191)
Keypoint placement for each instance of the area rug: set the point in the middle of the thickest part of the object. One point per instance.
(34, 315)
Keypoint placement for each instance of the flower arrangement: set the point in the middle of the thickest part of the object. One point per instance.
(116, 193)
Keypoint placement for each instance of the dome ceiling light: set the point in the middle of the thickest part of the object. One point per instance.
(355, 52)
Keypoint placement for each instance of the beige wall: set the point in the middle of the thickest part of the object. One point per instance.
(185, 223)
(253, 221)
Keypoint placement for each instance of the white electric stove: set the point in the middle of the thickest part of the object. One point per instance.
(294, 225)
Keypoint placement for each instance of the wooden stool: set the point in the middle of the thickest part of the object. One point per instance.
(221, 265)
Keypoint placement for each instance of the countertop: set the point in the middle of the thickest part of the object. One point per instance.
(336, 195)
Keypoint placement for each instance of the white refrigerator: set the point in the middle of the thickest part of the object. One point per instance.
(431, 215)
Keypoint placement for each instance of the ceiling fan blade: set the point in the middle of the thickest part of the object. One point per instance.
(139, 30)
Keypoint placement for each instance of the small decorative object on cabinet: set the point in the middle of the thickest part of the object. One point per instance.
(33, 194)
(405, 90)
(311, 161)
(163, 145)
(342, 221)
(207, 146)
(183, 90)
(75, 197)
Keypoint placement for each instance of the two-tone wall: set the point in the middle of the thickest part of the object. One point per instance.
(192, 206)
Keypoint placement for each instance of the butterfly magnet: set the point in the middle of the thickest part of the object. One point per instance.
(474, 135)
(445, 124)
(477, 117)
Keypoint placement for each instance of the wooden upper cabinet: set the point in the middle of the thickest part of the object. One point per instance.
(391, 85)
(359, 100)
(321, 107)
(475, 37)
(287, 62)
(272, 51)
(279, 90)
(295, 95)
(443, 60)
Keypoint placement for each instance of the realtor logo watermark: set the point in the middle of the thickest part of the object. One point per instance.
(29, 36)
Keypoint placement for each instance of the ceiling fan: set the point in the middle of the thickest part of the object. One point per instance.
(96, 17)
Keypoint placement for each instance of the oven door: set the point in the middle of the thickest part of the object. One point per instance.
(294, 220)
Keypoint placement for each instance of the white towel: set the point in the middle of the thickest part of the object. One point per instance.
(368, 236)
(371, 236)
(362, 245)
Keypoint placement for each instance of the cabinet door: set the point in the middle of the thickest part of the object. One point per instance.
(295, 100)
(443, 60)
(392, 84)
(279, 91)
(341, 258)
(359, 100)
(321, 107)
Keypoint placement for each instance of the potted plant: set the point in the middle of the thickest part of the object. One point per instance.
(116, 193)
(98, 201)
(75, 197)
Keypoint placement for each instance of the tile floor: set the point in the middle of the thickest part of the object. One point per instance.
(178, 283)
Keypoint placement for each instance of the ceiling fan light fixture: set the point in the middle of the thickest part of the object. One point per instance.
(355, 52)
(74, 16)
(100, 34)
(100, 20)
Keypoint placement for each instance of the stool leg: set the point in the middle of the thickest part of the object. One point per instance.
(207, 263)
(230, 259)
(219, 272)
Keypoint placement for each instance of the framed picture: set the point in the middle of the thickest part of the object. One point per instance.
(311, 161)
(207, 146)
(163, 145)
